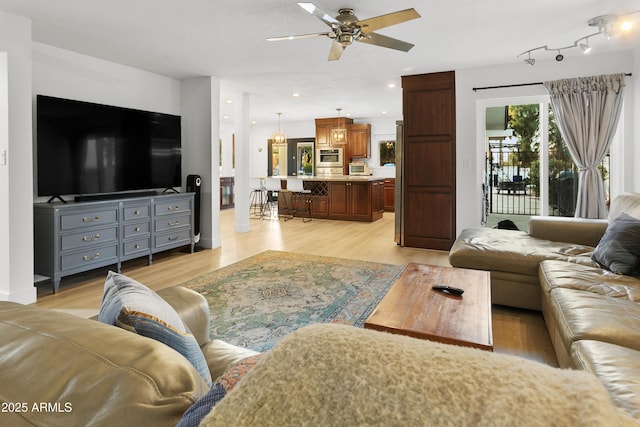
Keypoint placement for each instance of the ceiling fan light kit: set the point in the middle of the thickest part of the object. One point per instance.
(611, 26)
(346, 28)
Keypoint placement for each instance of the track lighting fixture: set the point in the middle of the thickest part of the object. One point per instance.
(530, 61)
(608, 25)
(586, 48)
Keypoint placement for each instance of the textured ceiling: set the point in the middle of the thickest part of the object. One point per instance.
(191, 38)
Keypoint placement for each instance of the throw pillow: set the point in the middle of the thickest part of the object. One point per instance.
(222, 387)
(133, 306)
(619, 248)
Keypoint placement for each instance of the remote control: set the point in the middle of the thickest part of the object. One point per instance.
(448, 289)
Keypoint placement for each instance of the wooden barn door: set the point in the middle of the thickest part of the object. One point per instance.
(429, 155)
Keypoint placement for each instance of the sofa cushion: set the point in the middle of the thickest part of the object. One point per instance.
(559, 274)
(132, 306)
(332, 374)
(619, 248)
(583, 315)
(512, 251)
(99, 375)
(617, 368)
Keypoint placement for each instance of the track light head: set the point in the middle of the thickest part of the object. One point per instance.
(585, 48)
(530, 61)
(559, 57)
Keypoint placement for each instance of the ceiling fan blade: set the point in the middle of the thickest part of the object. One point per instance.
(336, 51)
(323, 16)
(382, 21)
(384, 41)
(299, 36)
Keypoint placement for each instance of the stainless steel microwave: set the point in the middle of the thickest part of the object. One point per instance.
(329, 157)
(359, 168)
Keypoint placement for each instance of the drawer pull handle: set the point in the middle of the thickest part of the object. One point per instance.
(137, 229)
(171, 239)
(174, 223)
(177, 207)
(94, 219)
(137, 213)
(88, 239)
(87, 258)
(137, 246)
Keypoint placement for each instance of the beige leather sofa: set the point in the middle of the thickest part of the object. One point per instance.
(57, 369)
(592, 314)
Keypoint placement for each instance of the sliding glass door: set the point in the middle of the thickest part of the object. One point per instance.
(528, 168)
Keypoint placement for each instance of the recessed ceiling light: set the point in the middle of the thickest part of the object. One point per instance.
(384, 112)
(295, 94)
(391, 85)
(229, 101)
(225, 117)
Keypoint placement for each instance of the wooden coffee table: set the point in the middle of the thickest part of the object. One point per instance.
(412, 308)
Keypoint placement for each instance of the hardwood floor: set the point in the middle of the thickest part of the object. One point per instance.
(518, 332)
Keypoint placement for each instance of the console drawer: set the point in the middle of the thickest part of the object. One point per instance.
(132, 230)
(88, 238)
(177, 206)
(175, 239)
(172, 222)
(88, 219)
(136, 212)
(86, 259)
(136, 246)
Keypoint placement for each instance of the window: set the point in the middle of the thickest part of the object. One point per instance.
(387, 153)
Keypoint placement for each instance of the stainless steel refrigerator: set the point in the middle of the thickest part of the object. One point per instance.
(398, 202)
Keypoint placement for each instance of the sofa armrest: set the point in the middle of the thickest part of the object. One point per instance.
(580, 231)
(192, 308)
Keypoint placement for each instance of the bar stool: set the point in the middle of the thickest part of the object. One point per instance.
(256, 197)
(272, 189)
(296, 186)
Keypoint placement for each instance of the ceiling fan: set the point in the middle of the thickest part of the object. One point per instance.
(347, 28)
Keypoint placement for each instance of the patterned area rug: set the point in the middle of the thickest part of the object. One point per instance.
(256, 302)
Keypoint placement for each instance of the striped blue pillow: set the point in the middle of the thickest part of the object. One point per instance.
(132, 306)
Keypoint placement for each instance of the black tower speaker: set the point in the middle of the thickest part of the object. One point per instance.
(194, 185)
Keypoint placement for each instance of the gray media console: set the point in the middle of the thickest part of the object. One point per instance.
(74, 237)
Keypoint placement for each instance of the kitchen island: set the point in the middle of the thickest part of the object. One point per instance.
(344, 197)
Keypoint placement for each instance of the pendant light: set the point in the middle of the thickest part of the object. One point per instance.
(279, 137)
(339, 133)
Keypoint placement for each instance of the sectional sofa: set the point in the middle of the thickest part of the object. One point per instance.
(583, 276)
(57, 369)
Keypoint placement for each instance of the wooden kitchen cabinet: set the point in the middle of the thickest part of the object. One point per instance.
(377, 197)
(359, 141)
(324, 126)
(356, 201)
(389, 194)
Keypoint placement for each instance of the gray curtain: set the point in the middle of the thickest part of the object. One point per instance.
(587, 110)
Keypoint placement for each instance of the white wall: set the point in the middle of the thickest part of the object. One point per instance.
(16, 228)
(64, 74)
(470, 151)
(200, 103)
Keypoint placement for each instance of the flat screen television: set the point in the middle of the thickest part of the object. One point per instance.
(92, 149)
